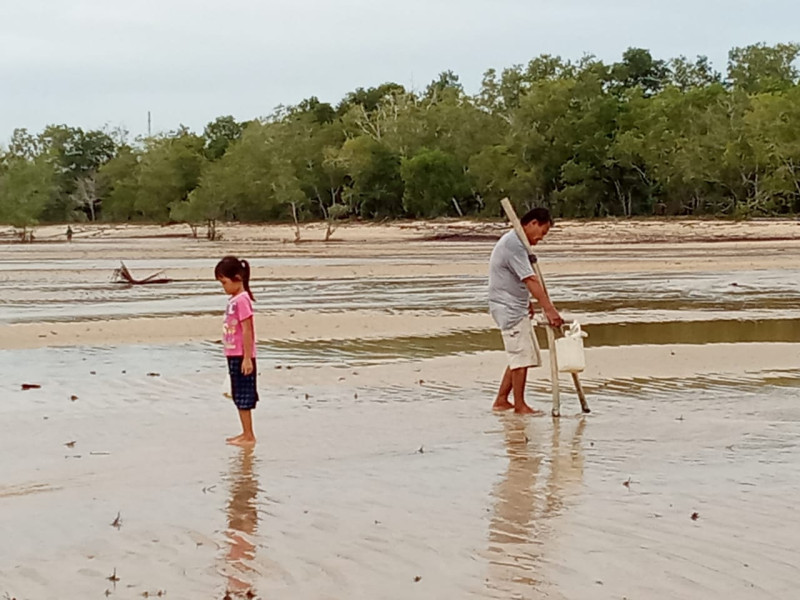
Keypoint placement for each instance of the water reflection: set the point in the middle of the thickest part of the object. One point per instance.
(242, 523)
(526, 499)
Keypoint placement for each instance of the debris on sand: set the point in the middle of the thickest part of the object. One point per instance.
(123, 275)
(31, 386)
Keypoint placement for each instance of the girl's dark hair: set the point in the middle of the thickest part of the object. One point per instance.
(234, 268)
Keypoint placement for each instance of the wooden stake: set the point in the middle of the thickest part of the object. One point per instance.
(581, 396)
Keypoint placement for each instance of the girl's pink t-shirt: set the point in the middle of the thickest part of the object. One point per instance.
(239, 309)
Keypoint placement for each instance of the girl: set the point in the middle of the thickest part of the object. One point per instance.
(239, 339)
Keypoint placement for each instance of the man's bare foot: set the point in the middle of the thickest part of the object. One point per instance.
(502, 405)
(243, 441)
(527, 410)
(234, 438)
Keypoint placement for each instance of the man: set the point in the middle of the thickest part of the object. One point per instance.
(512, 282)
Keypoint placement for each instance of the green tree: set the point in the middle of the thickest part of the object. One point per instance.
(320, 112)
(447, 82)
(374, 185)
(118, 184)
(761, 68)
(686, 75)
(76, 156)
(24, 144)
(495, 176)
(219, 134)
(369, 99)
(253, 181)
(564, 128)
(26, 187)
(772, 126)
(434, 183)
(306, 144)
(638, 68)
(168, 171)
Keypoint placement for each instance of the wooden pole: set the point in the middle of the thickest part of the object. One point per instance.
(555, 386)
(551, 347)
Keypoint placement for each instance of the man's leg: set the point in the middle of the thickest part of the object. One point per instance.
(521, 349)
(501, 402)
(518, 379)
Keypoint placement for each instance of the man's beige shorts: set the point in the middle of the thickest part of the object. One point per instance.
(522, 349)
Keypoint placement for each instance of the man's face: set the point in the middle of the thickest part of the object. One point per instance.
(536, 231)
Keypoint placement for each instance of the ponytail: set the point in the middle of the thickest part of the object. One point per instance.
(246, 278)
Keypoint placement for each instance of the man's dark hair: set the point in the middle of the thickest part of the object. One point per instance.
(540, 215)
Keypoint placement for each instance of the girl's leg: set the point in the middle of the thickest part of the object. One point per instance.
(236, 438)
(234, 364)
(247, 438)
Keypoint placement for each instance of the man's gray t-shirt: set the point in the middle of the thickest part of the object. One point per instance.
(508, 295)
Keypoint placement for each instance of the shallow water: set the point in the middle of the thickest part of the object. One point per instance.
(68, 365)
(359, 352)
(80, 289)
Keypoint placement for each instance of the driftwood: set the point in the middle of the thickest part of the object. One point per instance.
(123, 275)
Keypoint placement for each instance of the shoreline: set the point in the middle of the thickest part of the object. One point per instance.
(633, 230)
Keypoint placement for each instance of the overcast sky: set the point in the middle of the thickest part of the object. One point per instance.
(88, 63)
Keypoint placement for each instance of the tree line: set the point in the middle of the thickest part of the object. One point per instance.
(641, 136)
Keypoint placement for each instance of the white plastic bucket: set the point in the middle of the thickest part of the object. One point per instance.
(569, 350)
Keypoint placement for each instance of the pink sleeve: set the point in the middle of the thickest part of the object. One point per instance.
(244, 308)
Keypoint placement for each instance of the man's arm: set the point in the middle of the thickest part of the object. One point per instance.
(537, 291)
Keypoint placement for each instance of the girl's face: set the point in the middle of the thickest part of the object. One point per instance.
(231, 286)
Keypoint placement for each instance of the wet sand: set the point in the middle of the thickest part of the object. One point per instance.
(380, 470)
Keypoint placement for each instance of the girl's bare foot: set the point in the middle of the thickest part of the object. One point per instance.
(502, 405)
(243, 441)
(234, 438)
(527, 410)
